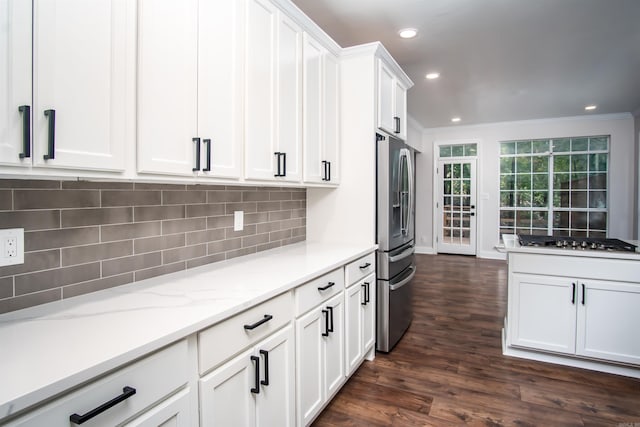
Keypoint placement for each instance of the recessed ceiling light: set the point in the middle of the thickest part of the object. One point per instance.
(590, 107)
(408, 33)
(432, 76)
(455, 119)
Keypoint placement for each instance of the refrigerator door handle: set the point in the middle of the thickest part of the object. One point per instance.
(403, 282)
(402, 255)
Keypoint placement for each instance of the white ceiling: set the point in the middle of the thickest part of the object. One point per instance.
(500, 60)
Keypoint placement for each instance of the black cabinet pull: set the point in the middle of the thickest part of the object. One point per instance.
(362, 267)
(330, 328)
(207, 143)
(397, 121)
(51, 114)
(265, 319)
(197, 142)
(26, 131)
(127, 392)
(367, 293)
(256, 388)
(329, 175)
(324, 288)
(277, 154)
(573, 293)
(326, 323)
(324, 170)
(265, 353)
(364, 294)
(584, 291)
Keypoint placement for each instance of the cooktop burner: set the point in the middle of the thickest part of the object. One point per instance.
(564, 242)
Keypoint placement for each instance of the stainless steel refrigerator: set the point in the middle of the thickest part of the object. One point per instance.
(395, 234)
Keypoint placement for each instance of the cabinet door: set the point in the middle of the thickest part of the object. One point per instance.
(369, 314)
(354, 298)
(260, 105)
(313, 109)
(331, 118)
(386, 101)
(15, 79)
(309, 373)
(289, 99)
(608, 319)
(167, 86)
(225, 394)
(173, 412)
(400, 96)
(333, 348)
(220, 44)
(543, 313)
(275, 404)
(81, 72)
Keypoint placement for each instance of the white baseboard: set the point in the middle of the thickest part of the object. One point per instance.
(492, 255)
(425, 250)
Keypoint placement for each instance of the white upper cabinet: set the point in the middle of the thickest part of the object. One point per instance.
(321, 112)
(15, 80)
(189, 99)
(82, 80)
(273, 98)
(392, 102)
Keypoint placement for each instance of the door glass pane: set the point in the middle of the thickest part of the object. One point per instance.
(456, 170)
(445, 151)
(457, 151)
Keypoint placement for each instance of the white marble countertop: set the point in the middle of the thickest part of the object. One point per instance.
(587, 253)
(48, 349)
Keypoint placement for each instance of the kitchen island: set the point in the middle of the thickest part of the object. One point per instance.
(574, 306)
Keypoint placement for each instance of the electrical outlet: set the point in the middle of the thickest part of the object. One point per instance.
(11, 246)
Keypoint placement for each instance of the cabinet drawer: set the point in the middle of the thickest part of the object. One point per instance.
(311, 293)
(225, 339)
(360, 268)
(153, 378)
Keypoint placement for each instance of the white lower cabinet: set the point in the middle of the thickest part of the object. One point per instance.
(123, 395)
(360, 327)
(320, 357)
(574, 316)
(256, 388)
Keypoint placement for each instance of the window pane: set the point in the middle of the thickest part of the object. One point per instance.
(540, 199)
(598, 162)
(561, 199)
(466, 170)
(507, 182)
(523, 199)
(598, 144)
(562, 145)
(598, 220)
(540, 163)
(579, 163)
(540, 146)
(598, 181)
(507, 165)
(507, 218)
(447, 171)
(456, 170)
(523, 147)
(523, 219)
(539, 219)
(561, 181)
(579, 180)
(597, 199)
(579, 144)
(523, 182)
(457, 151)
(578, 199)
(466, 186)
(455, 187)
(470, 150)
(445, 151)
(508, 147)
(540, 182)
(579, 220)
(447, 187)
(507, 199)
(523, 164)
(561, 219)
(447, 202)
(561, 163)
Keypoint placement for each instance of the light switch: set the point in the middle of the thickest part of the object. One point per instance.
(238, 220)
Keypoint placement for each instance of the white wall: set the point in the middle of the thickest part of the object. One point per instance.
(636, 224)
(621, 182)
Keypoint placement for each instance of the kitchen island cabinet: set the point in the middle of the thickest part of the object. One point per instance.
(182, 321)
(581, 307)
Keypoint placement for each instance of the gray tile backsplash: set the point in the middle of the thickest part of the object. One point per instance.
(84, 236)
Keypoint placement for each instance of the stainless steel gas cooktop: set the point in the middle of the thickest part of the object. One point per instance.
(583, 243)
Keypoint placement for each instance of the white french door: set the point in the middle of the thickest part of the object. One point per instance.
(456, 206)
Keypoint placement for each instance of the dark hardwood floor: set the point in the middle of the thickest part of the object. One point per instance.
(449, 369)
